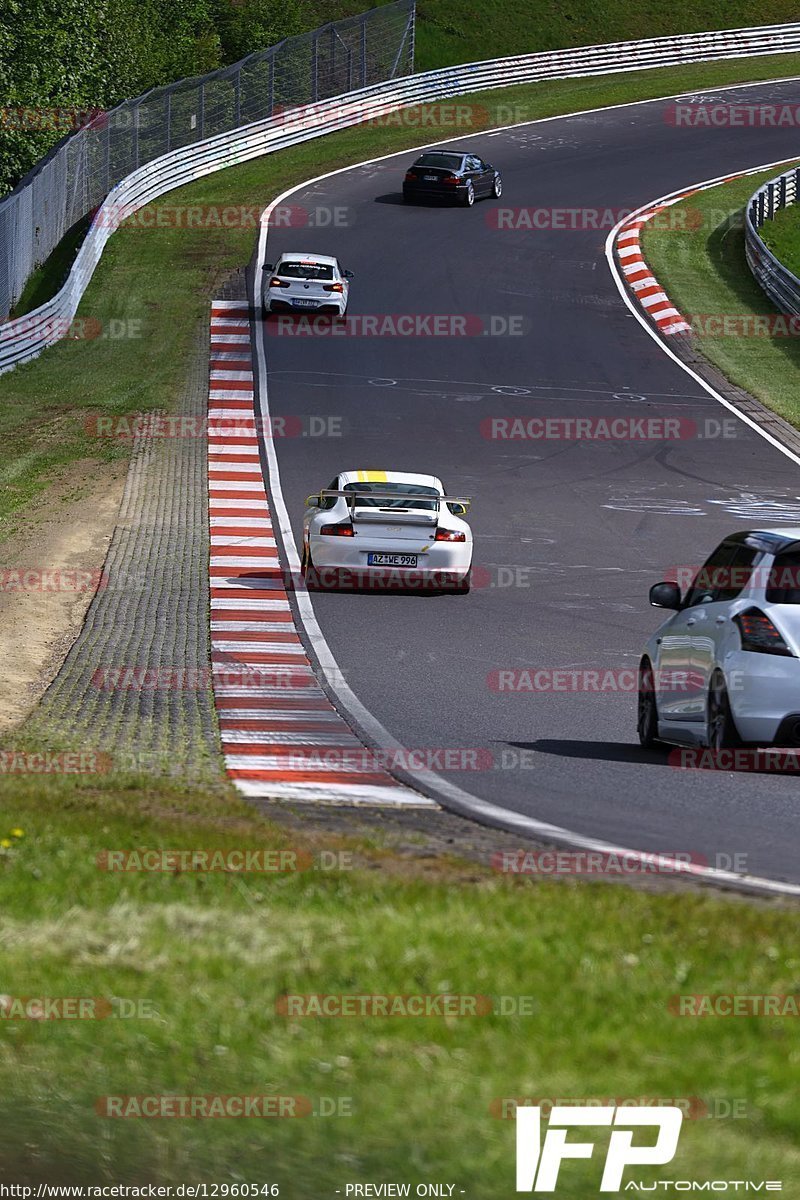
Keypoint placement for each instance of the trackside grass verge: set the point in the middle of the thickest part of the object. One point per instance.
(456, 31)
(453, 31)
(201, 961)
(700, 262)
(138, 321)
(782, 235)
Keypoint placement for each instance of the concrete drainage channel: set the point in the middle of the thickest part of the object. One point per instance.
(136, 682)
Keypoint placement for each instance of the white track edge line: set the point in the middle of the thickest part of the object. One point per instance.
(429, 782)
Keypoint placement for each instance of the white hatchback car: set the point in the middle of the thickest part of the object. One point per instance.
(387, 527)
(725, 667)
(306, 283)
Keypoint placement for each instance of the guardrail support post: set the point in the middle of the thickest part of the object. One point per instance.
(406, 34)
(413, 35)
(168, 122)
(315, 68)
(135, 136)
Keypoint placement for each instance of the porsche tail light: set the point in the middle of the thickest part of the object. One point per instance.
(759, 634)
(344, 530)
(449, 535)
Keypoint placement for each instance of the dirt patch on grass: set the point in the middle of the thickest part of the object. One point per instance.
(49, 571)
(442, 847)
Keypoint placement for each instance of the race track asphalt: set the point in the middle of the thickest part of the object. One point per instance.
(568, 534)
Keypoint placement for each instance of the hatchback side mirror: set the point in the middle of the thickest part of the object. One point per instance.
(269, 266)
(348, 274)
(665, 595)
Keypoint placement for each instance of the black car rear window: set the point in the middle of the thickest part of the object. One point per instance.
(449, 162)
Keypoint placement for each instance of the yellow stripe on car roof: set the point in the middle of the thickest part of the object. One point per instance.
(372, 476)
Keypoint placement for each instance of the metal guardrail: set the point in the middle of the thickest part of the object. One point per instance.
(27, 336)
(780, 285)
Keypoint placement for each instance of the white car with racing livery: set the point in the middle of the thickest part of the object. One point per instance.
(387, 527)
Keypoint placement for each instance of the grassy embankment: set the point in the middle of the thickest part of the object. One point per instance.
(698, 256)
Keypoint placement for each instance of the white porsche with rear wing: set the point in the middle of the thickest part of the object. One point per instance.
(387, 527)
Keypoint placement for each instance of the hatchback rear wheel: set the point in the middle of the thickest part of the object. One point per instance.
(721, 732)
(647, 715)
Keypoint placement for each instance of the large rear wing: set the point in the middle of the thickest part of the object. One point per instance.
(355, 497)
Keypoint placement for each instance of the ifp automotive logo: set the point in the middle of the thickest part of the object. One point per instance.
(538, 1164)
(539, 1161)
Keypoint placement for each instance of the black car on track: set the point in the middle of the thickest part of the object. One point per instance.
(451, 175)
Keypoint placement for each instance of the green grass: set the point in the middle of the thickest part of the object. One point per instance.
(782, 235)
(46, 281)
(210, 954)
(456, 31)
(156, 284)
(701, 264)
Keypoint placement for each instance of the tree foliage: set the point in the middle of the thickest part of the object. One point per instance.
(61, 59)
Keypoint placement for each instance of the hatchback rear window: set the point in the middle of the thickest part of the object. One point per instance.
(449, 162)
(304, 270)
(783, 586)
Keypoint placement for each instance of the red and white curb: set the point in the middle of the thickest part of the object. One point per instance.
(640, 279)
(281, 736)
